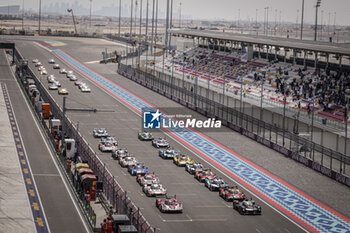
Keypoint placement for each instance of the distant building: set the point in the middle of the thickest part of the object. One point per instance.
(9, 10)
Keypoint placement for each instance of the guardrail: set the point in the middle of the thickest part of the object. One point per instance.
(326, 161)
(112, 190)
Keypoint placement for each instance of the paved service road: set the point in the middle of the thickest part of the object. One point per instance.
(204, 211)
(60, 212)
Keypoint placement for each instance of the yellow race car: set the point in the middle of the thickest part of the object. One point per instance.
(62, 91)
(182, 160)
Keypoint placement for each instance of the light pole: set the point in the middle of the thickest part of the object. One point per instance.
(120, 11)
(180, 16)
(23, 16)
(284, 113)
(302, 20)
(318, 4)
(39, 16)
(90, 11)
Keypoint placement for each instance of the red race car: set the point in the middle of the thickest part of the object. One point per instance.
(169, 205)
(201, 176)
(231, 194)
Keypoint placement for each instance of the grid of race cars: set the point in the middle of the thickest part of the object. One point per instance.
(151, 185)
(54, 84)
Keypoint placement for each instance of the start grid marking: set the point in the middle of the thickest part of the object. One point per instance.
(308, 212)
(37, 212)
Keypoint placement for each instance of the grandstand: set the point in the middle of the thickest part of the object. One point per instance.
(305, 89)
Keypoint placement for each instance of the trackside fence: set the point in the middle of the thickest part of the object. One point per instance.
(324, 160)
(112, 190)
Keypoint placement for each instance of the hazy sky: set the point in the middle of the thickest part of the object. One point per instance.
(228, 9)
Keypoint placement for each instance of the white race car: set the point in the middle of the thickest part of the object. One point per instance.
(72, 77)
(35, 60)
(38, 64)
(53, 87)
(127, 161)
(56, 66)
(154, 189)
(57, 83)
(63, 71)
(107, 147)
(51, 78)
(85, 89)
(43, 72)
(52, 61)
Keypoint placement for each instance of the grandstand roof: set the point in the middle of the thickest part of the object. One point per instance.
(316, 46)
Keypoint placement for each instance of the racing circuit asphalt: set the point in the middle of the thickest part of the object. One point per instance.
(204, 210)
(58, 206)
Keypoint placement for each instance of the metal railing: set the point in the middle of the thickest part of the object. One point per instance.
(329, 162)
(113, 192)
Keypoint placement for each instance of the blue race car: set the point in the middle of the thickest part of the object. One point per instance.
(168, 153)
(138, 169)
(99, 133)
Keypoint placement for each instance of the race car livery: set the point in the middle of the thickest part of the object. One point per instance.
(147, 179)
(109, 139)
(247, 207)
(169, 205)
(107, 147)
(154, 189)
(231, 194)
(201, 176)
(168, 153)
(215, 184)
(182, 160)
(137, 169)
(99, 133)
(160, 142)
(127, 161)
(145, 136)
(193, 168)
(120, 153)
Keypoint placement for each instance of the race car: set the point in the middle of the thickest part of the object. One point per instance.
(169, 205)
(56, 66)
(201, 176)
(193, 168)
(52, 61)
(38, 64)
(62, 91)
(231, 194)
(51, 78)
(57, 83)
(41, 68)
(127, 161)
(63, 71)
(43, 72)
(160, 142)
(147, 179)
(35, 60)
(53, 86)
(110, 140)
(85, 89)
(99, 133)
(215, 184)
(247, 207)
(120, 153)
(78, 83)
(107, 147)
(72, 77)
(182, 160)
(138, 169)
(153, 189)
(145, 136)
(168, 153)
